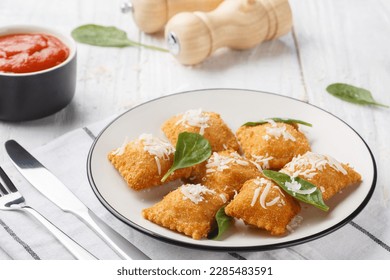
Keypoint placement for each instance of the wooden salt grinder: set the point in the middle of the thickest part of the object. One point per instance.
(152, 15)
(238, 24)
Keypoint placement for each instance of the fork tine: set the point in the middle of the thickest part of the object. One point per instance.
(3, 191)
(7, 181)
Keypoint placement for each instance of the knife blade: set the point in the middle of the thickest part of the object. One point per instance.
(51, 187)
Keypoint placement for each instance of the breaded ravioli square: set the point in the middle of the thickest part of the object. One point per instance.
(325, 172)
(272, 145)
(263, 204)
(190, 209)
(143, 162)
(208, 124)
(227, 171)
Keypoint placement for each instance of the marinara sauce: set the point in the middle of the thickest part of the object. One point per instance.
(26, 53)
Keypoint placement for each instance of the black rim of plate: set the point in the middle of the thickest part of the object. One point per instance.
(229, 248)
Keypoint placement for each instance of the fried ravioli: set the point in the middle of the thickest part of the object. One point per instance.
(227, 171)
(324, 172)
(272, 145)
(208, 124)
(263, 204)
(189, 209)
(143, 162)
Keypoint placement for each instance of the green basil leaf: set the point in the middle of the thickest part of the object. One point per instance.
(223, 224)
(353, 94)
(314, 198)
(191, 149)
(289, 121)
(106, 36)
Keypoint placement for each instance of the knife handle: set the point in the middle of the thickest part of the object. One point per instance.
(117, 242)
(74, 248)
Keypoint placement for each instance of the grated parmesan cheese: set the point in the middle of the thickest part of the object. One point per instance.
(273, 201)
(223, 197)
(156, 147)
(271, 122)
(295, 187)
(256, 194)
(195, 118)
(264, 194)
(120, 151)
(195, 192)
(276, 132)
(310, 163)
(219, 162)
(265, 187)
(158, 165)
(294, 223)
(261, 162)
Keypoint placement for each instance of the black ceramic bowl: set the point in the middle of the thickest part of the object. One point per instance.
(34, 95)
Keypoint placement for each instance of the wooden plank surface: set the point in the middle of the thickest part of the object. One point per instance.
(346, 41)
(333, 41)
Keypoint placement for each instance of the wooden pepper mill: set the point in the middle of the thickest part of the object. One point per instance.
(238, 24)
(152, 15)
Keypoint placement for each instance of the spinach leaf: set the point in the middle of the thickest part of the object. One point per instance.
(106, 36)
(223, 223)
(191, 149)
(289, 121)
(353, 94)
(313, 198)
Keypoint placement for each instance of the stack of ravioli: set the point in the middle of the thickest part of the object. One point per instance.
(231, 177)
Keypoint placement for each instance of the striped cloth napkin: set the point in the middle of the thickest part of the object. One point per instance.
(23, 238)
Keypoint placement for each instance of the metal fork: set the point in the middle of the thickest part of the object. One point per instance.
(12, 199)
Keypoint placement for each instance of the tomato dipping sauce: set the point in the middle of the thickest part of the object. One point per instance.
(26, 53)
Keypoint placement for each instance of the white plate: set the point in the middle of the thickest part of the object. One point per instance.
(329, 135)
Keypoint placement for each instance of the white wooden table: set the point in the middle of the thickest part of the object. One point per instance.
(332, 41)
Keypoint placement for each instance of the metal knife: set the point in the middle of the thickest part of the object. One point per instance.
(51, 187)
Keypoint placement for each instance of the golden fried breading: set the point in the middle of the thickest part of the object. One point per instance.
(208, 124)
(272, 145)
(263, 204)
(324, 172)
(227, 171)
(189, 209)
(143, 162)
